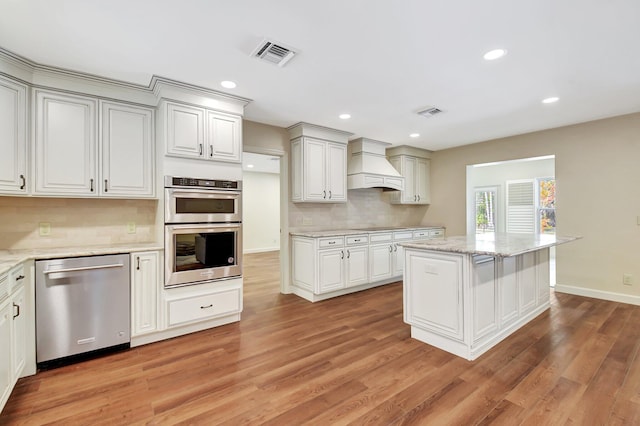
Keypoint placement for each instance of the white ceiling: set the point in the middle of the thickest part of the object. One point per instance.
(380, 61)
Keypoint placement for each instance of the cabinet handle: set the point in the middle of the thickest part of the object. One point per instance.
(106, 185)
(395, 247)
(23, 183)
(329, 194)
(357, 240)
(418, 198)
(200, 149)
(20, 277)
(18, 314)
(390, 249)
(331, 242)
(138, 263)
(348, 254)
(324, 194)
(207, 307)
(211, 151)
(341, 254)
(91, 184)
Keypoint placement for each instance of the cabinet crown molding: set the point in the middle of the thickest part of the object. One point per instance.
(408, 150)
(314, 131)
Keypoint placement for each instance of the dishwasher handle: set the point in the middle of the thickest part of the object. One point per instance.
(84, 268)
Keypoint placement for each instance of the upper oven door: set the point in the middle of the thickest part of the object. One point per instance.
(184, 205)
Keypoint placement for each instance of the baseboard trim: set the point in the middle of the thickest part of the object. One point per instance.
(598, 294)
(261, 250)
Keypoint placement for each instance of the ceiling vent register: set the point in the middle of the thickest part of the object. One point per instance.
(429, 112)
(271, 51)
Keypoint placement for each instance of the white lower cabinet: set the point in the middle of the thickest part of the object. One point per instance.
(15, 318)
(323, 267)
(485, 297)
(145, 287)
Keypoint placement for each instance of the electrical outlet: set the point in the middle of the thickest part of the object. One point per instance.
(131, 227)
(44, 229)
(307, 221)
(627, 279)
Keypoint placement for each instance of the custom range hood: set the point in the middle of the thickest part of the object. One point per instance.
(368, 166)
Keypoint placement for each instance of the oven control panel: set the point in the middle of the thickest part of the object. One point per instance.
(173, 182)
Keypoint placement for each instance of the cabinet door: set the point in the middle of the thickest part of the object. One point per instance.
(543, 276)
(127, 150)
(65, 144)
(422, 186)
(6, 381)
(527, 282)
(19, 330)
(314, 170)
(336, 172)
(13, 137)
(330, 270)
(380, 262)
(357, 266)
(144, 288)
(398, 260)
(224, 137)
(409, 166)
(484, 294)
(184, 130)
(508, 291)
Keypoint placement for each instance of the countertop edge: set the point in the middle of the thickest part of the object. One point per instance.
(339, 232)
(11, 258)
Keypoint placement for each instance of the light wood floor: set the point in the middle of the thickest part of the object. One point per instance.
(350, 360)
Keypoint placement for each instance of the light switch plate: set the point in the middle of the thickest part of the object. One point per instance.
(131, 227)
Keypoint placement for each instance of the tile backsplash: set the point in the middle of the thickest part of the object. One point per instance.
(364, 208)
(74, 222)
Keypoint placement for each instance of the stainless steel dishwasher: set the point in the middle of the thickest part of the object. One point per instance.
(82, 305)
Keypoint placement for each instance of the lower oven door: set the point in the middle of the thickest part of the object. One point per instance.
(202, 252)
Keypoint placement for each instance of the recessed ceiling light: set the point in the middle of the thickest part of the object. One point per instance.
(345, 116)
(228, 84)
(550, 100)
(494, 54)
(414, 135)
(249, 166)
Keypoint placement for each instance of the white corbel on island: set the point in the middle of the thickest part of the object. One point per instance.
(466, 294)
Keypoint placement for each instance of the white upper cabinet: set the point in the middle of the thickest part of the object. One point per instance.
(13, 137)
(318, 164)
(127, 150)
(72, 158)
(319, 171)
(194, 132)
(65, 144)
(416, 177)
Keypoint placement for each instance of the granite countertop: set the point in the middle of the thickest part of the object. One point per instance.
(357, 231)
(11, 258)
(502, 245)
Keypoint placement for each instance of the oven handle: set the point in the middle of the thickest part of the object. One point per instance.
(203, 193)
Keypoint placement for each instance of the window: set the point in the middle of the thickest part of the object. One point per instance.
(546, 209)
(485, 212)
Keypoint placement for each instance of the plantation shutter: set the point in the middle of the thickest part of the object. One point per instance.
(521, 208)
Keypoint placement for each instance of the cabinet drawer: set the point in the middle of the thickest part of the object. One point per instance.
(421, 234)
(436, 233)
(378, 238)
(331, 242)
(357, 239)
(204, 307)
(16, 276)
(404, 235)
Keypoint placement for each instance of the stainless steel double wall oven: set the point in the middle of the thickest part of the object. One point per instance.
(203, 230)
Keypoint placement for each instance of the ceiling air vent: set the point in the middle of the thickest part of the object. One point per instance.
(271, 51)
(429, 112)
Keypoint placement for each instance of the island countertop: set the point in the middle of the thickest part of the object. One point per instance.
(500, 244)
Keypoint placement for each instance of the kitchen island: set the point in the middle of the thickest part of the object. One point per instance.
(466, 294)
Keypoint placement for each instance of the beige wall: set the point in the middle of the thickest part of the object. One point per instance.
(74, 222)
(598, 196)
(260, 212)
